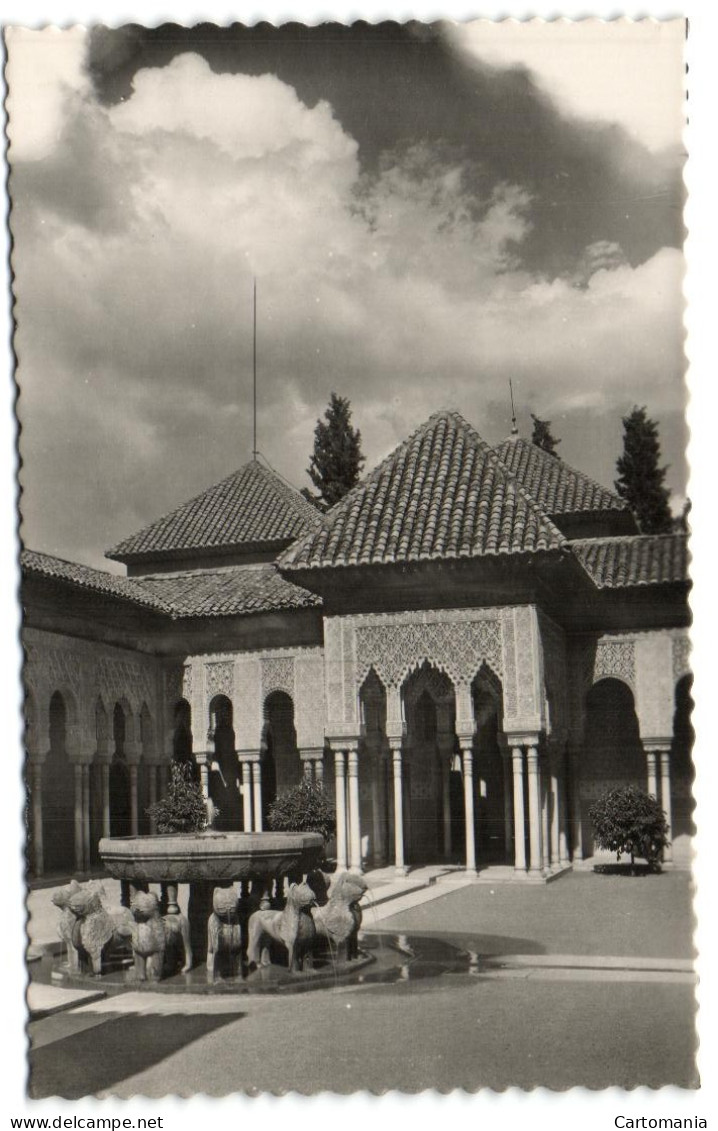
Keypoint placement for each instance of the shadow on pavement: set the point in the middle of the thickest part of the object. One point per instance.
(89, 1062)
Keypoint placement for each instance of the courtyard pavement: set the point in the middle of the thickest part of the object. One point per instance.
(586, 981)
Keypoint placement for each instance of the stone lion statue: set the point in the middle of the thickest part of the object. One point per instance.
(152, 934)
(61, 898)
(93, 928)
(224, 932)
(340, 918)
(293, 928)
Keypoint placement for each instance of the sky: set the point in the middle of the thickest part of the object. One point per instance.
(429, 211)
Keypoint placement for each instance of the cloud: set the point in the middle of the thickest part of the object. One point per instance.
(404, 287)
(642, 88)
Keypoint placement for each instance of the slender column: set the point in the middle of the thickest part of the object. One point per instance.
(153, 771)
(247, 796)
(398, 811)
(651, 759)
(307, 767)
(105, 779)
(134, 829)
(563, 852)
(86, 816)
(508, 786)
(204, 774)
(37, 849)
(78, 818)
(376, 814)
(468, 763)
(517, 758)
(319, 771)
(446, 801)
(341, 808)
(257, 795)
(576, 806)
(545, 818)
(666, 799)
(554, 816)
(354, 821)
(532, 763)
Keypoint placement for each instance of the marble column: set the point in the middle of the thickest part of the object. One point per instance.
(134, 820)
(576, 805)
(319, 771)
(532, 765)
(86, 815)
(665, 756)
(202, 760)
(446, 801)
(517, 758)
(153, 772)
(341, 808)
(78, 818)
(398, 810)
(467, 757)
(508, 799)
(37, 847)
(354, 817)
(105, 786)
(246, 796)
(257, 795)
(376, 811)
(563, 840)
(545, 830)
(554, 815)
(652, 774)
(307, 764)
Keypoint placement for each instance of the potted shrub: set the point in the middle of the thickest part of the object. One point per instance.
(305, 808)
(183, 809)
(627, 820)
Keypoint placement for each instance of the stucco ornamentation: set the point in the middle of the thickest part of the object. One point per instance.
(219, 679)
(277, 675)
(456, 648)
(681, 656)
(615, 658)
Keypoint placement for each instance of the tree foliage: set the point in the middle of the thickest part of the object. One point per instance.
(183, 808)
(304, 808)
(337, 460)
(627, 820)
(641, 478)
(542, 436)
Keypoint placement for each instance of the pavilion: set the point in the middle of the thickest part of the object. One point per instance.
(469, 648)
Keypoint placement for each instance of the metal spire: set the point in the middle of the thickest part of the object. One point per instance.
(254, 375)
(514, 426)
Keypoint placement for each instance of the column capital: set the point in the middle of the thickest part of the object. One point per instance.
(243, 756)
(344, 743)
(657, 745)
(523, 737)
(312, 754)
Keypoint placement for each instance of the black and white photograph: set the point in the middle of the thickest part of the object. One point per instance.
(355, 557)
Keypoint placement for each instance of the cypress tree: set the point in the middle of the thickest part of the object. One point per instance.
(542, 436)
(337, 459)
(640, 480)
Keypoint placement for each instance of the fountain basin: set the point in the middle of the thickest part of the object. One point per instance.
(210, 857)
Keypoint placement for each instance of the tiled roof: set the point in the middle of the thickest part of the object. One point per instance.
(556, 487)
(226, 592)
(442, 494)
(83, 577)
(645, 559)
(204, 593)
(249, 508)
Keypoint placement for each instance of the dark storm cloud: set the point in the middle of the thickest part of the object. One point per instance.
(393, 87)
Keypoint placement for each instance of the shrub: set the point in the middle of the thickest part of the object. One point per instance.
(629, 820)
(183, 808)
(303, 809)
